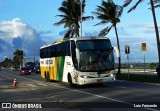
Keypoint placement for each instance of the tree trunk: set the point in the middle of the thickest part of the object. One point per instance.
(119, 58)
(157, 35)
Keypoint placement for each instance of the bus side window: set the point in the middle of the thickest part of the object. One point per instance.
(67, 51)
(52, 51)
(41, 53)
(44, 53)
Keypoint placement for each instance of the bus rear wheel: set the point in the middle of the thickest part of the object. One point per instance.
(47, 77)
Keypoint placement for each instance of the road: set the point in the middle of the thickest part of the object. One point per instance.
(113, 96)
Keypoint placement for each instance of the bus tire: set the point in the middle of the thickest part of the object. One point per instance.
(47, 77)
(70, 81)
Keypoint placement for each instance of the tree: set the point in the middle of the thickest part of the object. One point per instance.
(18, 57)
(71, 16)
(109, 12)
(6, 63)
(152, 65)
(156, 3)
(152, 2)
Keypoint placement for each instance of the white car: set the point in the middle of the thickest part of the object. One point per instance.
(2, 68)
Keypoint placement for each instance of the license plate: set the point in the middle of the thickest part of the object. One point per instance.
(99, 80)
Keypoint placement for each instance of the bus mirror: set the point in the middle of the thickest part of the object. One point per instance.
(77, 54)
(117, 51)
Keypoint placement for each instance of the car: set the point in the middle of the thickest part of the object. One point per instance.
(25, 71)
(15, 68)
(37, 70)
(2, 68)
(31, 69)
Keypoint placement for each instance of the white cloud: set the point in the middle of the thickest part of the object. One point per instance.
(13, 29)
(15, 34)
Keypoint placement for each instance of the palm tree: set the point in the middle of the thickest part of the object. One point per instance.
(152, 2)
(71, 16)
(109, 12)
(18, 57)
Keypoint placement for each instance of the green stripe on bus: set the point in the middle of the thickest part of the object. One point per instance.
(60, 67)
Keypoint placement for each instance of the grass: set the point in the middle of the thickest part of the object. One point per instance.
(138, 78)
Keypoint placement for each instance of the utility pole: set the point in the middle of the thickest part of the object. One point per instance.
(157, 34)
(81, 16)
(34, 46)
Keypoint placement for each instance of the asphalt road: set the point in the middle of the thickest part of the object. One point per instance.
(113, 96)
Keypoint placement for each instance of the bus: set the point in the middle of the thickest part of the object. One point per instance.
(78, 61)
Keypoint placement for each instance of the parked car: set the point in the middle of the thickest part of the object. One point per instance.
(24, 71)
(16, 68)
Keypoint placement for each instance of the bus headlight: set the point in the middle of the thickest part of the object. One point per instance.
(112, 74)
(84, 76)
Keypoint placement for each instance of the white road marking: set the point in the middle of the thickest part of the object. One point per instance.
(42, 84)
(142, 71)
(31, 85)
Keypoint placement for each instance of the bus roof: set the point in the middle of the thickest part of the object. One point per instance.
(75, 39)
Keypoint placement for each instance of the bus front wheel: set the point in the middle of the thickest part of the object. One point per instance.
(70, 81)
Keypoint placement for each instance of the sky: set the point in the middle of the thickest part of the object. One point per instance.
(22, 20)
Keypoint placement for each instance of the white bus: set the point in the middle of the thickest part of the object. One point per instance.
(78, 61)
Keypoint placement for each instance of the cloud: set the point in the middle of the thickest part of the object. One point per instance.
(136, 54)
(134, 25)
(149, 29)
(93, 33)
(15, 34)
(123, 32)
(45, 32)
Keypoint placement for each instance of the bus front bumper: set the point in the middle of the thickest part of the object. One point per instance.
(83, 81)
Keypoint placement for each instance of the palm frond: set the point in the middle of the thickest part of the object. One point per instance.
(119, 10)
(157, 6)
(135, 6)
(101, 23)
(105, 31)
(60, 22)
(87, 18)
(101, 9)
(156, 1)
(126, 3)
(63, 16)
(67, 35)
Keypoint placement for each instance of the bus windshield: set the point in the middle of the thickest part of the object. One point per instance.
(95, 55)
